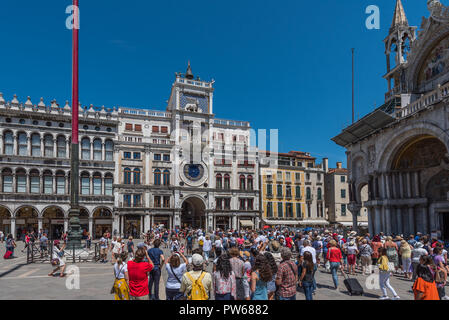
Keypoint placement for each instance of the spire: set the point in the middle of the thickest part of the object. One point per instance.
(189, 74)
(399, 17)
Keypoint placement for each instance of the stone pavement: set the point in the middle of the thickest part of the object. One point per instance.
(31, 282)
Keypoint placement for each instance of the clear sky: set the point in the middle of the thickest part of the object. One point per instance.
(279, 64)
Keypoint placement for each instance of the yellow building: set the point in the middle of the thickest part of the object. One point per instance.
(292, 187)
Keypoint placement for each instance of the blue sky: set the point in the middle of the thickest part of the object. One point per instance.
(279, 64)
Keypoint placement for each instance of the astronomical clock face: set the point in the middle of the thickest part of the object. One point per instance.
(193, 172)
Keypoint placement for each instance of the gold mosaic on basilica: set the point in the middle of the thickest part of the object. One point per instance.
(423, 152)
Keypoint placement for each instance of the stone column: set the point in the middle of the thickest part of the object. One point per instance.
(14, 182)
(1, 144)
(66, 224)
(91, 151)
(377, 221)
(15, 148)
(416, 184)
(394, 192)
(401, 186)
(411, 220)
(42, 147)
(91, 184)
(122, 225)
(177, 219)
(54, 184)
(388, 220)
(399, 228)
(91, 227)
(387, 186)
(13, 227)
(424, 229)
(147, 223)
(432, 220)
(409, 185)
(371, 221)
(55, 150)
(67, 148)
(234, 222)
(39, 224)
(103, 151)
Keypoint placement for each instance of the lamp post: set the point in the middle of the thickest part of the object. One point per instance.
(74, 236)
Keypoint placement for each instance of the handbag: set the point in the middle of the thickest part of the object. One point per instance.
(177, 279)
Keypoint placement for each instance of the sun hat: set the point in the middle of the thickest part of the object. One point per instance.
(197, 260)
(419, 245)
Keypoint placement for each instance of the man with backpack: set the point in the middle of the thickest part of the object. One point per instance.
(196, 284)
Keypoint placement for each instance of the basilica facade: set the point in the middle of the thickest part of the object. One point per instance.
(138, 168)
(400, 150)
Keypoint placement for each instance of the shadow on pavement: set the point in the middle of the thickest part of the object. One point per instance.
(17, 267)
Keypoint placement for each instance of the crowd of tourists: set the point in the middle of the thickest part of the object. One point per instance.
(270, 264)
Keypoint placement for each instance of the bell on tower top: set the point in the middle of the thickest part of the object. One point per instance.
(189, 74)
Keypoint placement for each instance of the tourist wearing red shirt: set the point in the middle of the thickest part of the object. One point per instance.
(138, 275)
(335, 258)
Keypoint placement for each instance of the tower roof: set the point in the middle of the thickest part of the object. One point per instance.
(189, 73)
(399, 17)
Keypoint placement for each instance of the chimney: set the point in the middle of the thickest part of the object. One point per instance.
(326, 165)
(339, 165)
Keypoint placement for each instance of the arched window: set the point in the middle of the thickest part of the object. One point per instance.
(7, 180)
(157, 177)
(22, 142)
(227, 181)
(308, 194)
(21, 179)
(35, 182)
(60, 182)
(85, 149)
(8, 144)
(319, 194)
(48, 182)
(127, 176)
(166, 178)
(48, 146)
(219, 181)
(85, 183)
(242, 182)
(98, 154)
(108, 184)
(97, 184)
(35, 145)
(250, 183)
(62, 147)
(136, 174)
(109, 146)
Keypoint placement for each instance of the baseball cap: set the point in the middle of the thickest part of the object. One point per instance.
(197, 260)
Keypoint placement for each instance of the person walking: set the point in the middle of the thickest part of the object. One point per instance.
(306, 279)
(10, 245)
(366, 251)
(138, 270)
(58, 259)
(104, 248)
(175, 271)
(392, 252)
(260, 276)
(287, 276)
(351, 253)
(417, 253)
(335, 258)
(405, 251)
(157, 257)
(207, 247)
(224, 280)
(130, 247)
(385, 267)
(121, 282)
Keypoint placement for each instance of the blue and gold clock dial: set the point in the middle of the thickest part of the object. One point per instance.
(193, 172)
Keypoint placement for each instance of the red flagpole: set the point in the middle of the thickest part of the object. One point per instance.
(75, 74)
(74, 223)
